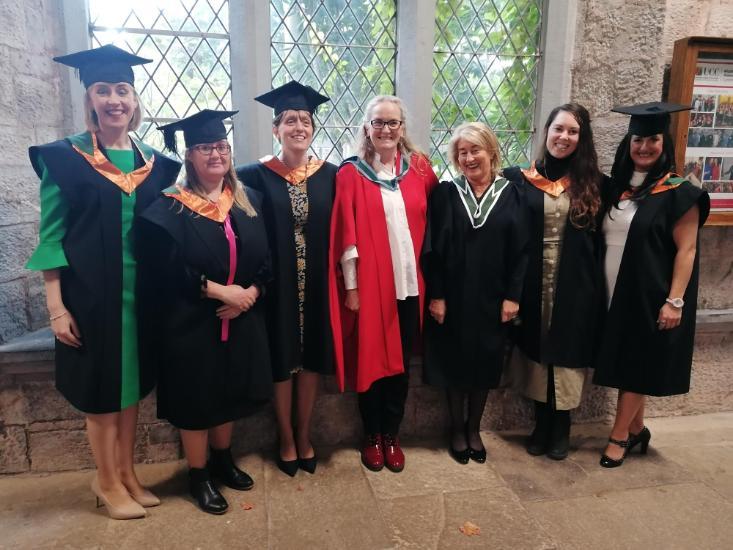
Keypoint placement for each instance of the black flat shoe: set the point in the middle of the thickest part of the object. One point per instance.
(607, 461)
(477, 456)
(308, 464)
(203, 491)
(460, 456)
(222, 468)
(289, 467)
(642, 437)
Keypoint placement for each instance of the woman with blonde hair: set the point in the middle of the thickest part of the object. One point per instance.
(375, 279)
(205, 249)
(93, 187)
(474, 260)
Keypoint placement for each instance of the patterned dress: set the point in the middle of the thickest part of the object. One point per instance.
(299, 204)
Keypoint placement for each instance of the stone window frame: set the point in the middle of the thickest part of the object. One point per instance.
(250, 50)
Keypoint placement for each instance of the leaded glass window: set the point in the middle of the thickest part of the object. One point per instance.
(188, 41)
(344, 49)
(485, 62)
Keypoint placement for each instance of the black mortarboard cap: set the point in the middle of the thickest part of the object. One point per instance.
(104, 64)
(206, 126)
(292, 96)
(648, 119)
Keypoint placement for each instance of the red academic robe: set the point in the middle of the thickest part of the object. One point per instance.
(367, 344)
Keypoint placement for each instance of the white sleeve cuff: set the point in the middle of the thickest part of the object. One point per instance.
(348, 267)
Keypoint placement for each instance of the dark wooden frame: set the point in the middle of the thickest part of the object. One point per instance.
(681, 80)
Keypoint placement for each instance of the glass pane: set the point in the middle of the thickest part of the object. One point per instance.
(344, 49)
(188, 41)
(485, 69)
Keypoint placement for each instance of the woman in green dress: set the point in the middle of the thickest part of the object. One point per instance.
(93, 185)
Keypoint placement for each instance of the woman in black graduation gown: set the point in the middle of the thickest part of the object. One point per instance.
(474, 260)
(560, 295)
(297, 194)
(651, 274)
(205, 247)
(93, 187)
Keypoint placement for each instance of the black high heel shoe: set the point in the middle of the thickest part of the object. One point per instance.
(607, 461)
(289, 467)
(308, 464)
(642, 437)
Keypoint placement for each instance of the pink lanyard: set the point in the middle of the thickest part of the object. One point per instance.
(231, 240)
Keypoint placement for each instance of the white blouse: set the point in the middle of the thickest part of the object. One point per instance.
(401, 248)
(615, 230)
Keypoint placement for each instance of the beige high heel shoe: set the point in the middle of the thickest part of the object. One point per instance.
(146, 499)
(133, 510)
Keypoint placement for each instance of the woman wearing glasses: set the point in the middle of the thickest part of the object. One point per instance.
(297, 193)
(376, 283)
(204, 244)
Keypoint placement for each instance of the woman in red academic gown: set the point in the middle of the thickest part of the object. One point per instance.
(375, 280)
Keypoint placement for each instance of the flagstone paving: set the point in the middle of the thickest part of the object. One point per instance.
(678, 496)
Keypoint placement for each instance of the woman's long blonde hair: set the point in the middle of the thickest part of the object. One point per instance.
(191, 181)
(363, 146)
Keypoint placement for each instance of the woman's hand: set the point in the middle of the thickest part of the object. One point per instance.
(235, 296)
(669, 317)
(509, 310)
(65, 329)
(352, 300)
(437, 310)
(228, 312)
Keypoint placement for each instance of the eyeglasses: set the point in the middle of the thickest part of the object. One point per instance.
(207, 148)
(378, 124)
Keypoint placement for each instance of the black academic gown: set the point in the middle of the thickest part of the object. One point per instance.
(202, 381)
(578, 290)
(634, 355)
(282, 295)
(474, 270)
(90, 377)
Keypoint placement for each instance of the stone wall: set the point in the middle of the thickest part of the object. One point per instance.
(32, 110)
(623, 48)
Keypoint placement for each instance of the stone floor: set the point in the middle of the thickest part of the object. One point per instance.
(678, 496)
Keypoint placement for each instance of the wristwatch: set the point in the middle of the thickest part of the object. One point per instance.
(675, 302)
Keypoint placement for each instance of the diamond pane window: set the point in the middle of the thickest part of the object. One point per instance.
(344, 49)
(485, 69)
(188, 41)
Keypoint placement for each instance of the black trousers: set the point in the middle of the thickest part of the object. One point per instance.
(382, 406)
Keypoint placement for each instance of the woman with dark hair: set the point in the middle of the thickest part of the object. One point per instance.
(561, 286)
(474, 259)
(297, 191)
(650, 224)
(94, 185)
(376, 285)
(205, 248)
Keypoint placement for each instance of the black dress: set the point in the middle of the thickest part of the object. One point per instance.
(297, 213)
(474, 258)
(204, 381)
(634, 355)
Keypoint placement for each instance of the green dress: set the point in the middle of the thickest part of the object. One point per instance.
(95, 254)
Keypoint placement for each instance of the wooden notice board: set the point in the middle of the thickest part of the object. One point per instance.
(702, 76)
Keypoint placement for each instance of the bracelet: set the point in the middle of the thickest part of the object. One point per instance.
(54, 317)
